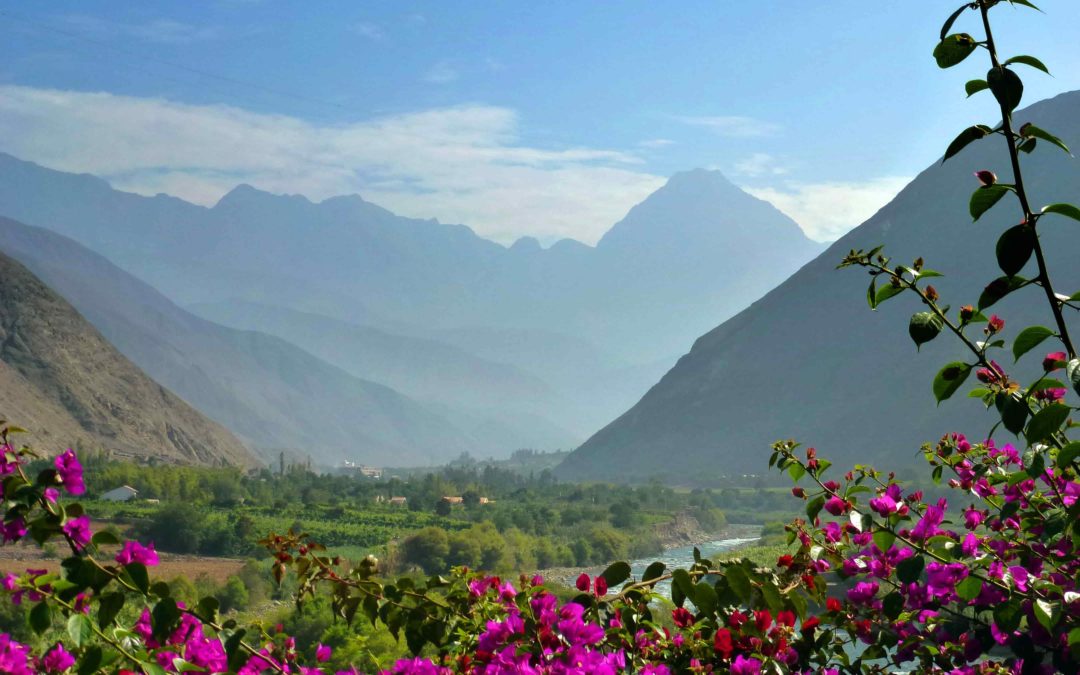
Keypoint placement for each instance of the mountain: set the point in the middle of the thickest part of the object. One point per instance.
(62, 380)
(263, 388)
(810, 361)
(683, 260)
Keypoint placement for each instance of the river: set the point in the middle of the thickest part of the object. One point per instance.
(683, 556)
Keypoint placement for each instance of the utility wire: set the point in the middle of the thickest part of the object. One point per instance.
(196, 71)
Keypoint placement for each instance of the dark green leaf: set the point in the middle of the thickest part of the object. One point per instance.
(1007, 616)
(969, 588)
(1068, 455)
(1067, 210)
(966, 137)
(616, 573)
(1028, 61)
(884, 539)
(998, 289)
(91, 661)
(1047, 613)
(41, 617)
(814, 506)
(1035, 132)
(1006, 86)
(892, 604)
(909, 569)
(103, 538)
(108, 607)
(705, 597)
(949, 379)
(1047, 421)
(1025, 3)
(739, 582)
(984, 198)
(80, 629)
(975, 86)
(1014, 412)
(164, 617)
(681, 578)
(1014, 249)
(653, 571)
(924, 327)
(951, 20)
(871, 293)
(1028, 146)
(953, 49)
(1030, 338)
(139, 576)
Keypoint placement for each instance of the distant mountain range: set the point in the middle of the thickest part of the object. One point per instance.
(63, 382)
(811, 361)
(500, 347)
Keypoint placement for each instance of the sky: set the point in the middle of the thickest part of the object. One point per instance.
(543, 119)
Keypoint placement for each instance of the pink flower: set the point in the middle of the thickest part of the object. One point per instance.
(133, 551)
(583, 582)
(601, 586)
(1053, 361)
(1050, 395)
(58, 660)
(995, 324)
(322, 653)
(78, 530)
(744, 666)
(836, 506)
(70, 472)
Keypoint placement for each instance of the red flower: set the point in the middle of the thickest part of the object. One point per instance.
(763, 619)
(832, 604)
(682, 617)
(736, 619)
(583, 583)
(601, 586)
(722, 643)
(784, 561)
(810, 624)
(785, 618)
(995, 324)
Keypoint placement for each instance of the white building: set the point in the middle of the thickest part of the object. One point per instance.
(123, 493)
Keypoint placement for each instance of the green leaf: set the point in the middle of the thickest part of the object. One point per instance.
(949, 379)
(951, 20)
(1072, 374)
(108, 607)
(1067, 210)
(681, 578)
(91, 661)
(871, 293)
(164, 617)
(616, 573)
(104, 538)
(1025, 3)
(1007, 616)
(1047, 421)
(885, 292)
(1030, 130)
(653, 571)
(884, 539)
(998, 289)
(814, 506)
(1014, 249)
(1030, 338)
(1014, 412)
(739, 582)
(237, 656)
(1047, 613)
(953, 49)
(1006, 86)
(796, 471)
(969, 588)
(908, 570)
(975, 86)
(139, 576)
(892, 604)
(984, 198)
(966, 137)
(41, 617)
(1028, 61)
(1068, 455)
(705, 597)
(1028, 146)
(924, 327)
(80, 629)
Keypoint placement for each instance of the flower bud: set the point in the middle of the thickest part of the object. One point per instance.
(986, 177)
(966, 313)
(931, 294)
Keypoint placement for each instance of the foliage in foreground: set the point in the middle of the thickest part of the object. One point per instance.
(881, 579)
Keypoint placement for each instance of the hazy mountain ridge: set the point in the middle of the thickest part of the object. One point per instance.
(265, 389)
(67, 385)
(810, 360)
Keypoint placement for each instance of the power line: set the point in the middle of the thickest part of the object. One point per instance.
(180, 66)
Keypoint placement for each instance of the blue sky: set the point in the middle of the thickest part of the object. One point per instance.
(549, 119)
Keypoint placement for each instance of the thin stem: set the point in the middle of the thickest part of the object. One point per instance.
(1018, 180)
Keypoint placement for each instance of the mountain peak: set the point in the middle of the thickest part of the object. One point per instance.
(245, 195)
(698, 179)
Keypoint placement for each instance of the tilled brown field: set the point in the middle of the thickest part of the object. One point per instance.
(17, 559)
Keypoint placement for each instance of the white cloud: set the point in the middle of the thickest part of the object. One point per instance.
(734, 126)
(461, 164)
(759, 164)
(654, 143)
(371, 31)
(164, 31)
(828, 210)
(441, 73)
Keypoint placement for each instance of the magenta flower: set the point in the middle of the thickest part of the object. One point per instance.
(14, 530)
(51, 495)
(322, 653)
(583, 582)
(133, 551)
(57, 660)
(70, 472)
(744, 666)
(836, 506)
(78, 530)
(1053, 361)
